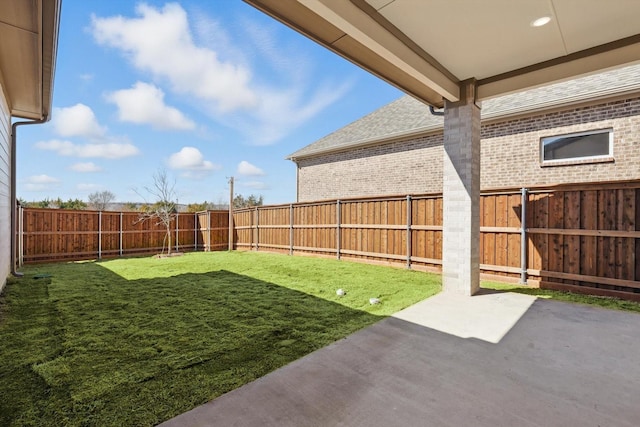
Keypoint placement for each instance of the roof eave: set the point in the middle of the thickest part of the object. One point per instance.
(38, 104)
(51, 10)
(631, 90)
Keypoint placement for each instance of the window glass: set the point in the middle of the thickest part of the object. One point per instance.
(577, 146)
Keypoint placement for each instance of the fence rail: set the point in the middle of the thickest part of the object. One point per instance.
(581, 238)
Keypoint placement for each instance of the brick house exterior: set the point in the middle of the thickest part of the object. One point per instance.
(398, 148)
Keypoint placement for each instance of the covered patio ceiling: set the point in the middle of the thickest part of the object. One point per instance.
(428, 47)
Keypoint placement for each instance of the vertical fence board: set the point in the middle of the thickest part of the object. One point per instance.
(556, 242)
(588, 221)
(501, 241)
(489, 220)
(625, 246)
(606, 245)
(513, 220)
(571, 249)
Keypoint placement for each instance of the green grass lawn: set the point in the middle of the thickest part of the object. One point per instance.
(133, 342)
(593, 300)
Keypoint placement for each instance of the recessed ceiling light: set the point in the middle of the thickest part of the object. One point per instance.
(541, 21)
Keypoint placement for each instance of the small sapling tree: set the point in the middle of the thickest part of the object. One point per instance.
(164, 209)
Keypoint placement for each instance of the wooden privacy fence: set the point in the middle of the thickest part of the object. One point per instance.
(584, 238)
(54, 234)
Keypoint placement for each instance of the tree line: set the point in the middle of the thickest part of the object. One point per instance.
(105, 201)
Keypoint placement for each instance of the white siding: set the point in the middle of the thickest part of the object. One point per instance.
(5, 190)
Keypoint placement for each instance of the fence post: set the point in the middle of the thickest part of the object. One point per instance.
(100, 235)
(523, 237)
(409, 232)
(195, 231)
(120, 237)
(177, 229)
(207, 246)
(21, 236)
(338, 220)
(290, 228)
(257, 229)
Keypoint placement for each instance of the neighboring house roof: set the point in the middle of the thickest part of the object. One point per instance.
(407, 117)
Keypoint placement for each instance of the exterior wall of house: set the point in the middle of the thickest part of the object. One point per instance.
(5, 189)
(510, 157)
(392, 168)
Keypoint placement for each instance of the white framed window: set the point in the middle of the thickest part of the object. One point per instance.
(580, 147)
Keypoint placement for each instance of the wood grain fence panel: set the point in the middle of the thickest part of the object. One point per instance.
(606, 245)
(218, 230)
(556, 241)
(536, 243)
(392, 234)
(588, 221)
(488, 219)
(625, 221)
(242, 228)
(375, 233)
(110, 242)
(501, 239)
(274, 224)
(514, 212)
(422, 214)
(438, 214)
(571, 247)
(186, 231)
(431, 236)
(384, 219)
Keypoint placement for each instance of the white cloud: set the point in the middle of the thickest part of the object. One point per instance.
(282, 110)
(256, 185)
(109, 150)
(247, 169)
(268, 104)
(192, 162)
(144, 104)
(78, 120)
(41, 183)
(88, 167)
(160, 41)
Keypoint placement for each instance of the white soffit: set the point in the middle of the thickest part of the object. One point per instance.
(426, 46)
(28, 40)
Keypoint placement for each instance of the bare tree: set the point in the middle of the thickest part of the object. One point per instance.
(163, 211)
(101, 199)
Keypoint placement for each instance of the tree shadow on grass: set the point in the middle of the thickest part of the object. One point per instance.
(137, 352)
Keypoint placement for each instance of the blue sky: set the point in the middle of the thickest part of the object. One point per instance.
(204, 89)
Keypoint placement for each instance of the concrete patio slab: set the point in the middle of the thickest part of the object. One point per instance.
(498, 359)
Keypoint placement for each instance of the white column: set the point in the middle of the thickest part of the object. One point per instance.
(461, 194)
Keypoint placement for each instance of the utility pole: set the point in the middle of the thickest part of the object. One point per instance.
(231, 213)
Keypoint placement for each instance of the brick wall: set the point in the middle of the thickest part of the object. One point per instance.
(510, 157)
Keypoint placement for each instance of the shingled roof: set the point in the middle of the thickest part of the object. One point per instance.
(407, 117)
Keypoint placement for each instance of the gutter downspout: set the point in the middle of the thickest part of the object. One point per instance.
(434, 112)
(13, 196)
